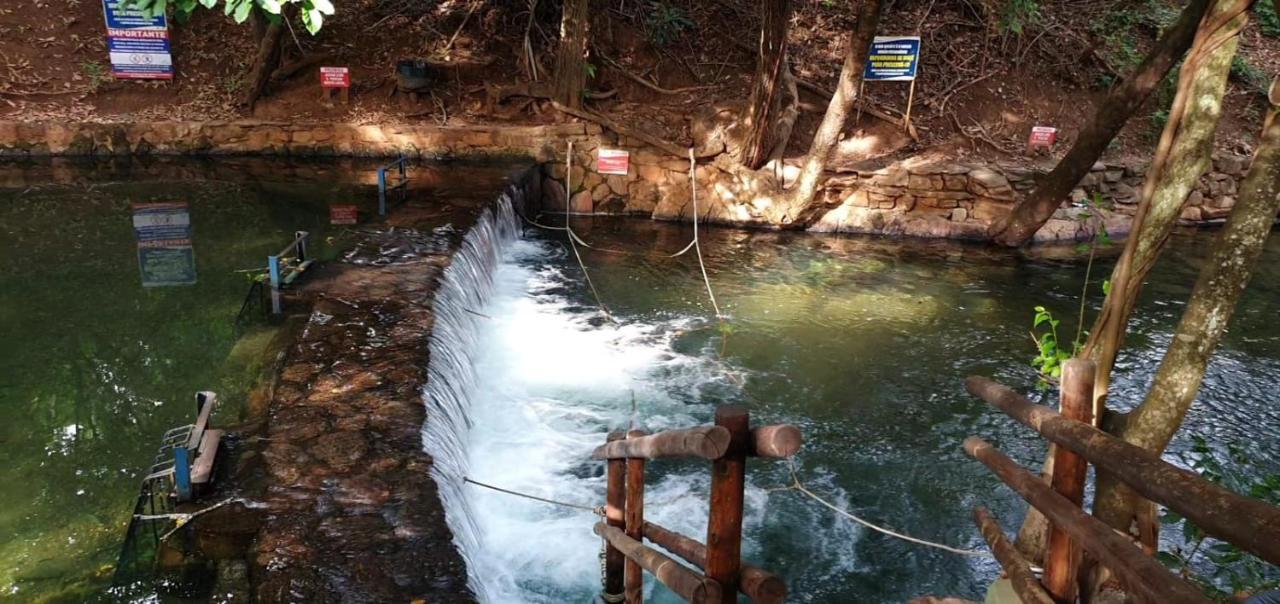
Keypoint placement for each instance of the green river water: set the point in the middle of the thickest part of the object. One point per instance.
(863, 342)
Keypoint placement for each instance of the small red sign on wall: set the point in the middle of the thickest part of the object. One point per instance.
(613, 161)
(344, 214)
(1043, 136)
(335, 77)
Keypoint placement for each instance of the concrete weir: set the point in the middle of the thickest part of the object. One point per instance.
(351, 510)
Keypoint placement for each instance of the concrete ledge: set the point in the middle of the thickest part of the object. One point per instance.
(19, 139)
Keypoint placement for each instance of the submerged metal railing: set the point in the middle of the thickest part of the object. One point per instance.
(400, 165)
(284, 268)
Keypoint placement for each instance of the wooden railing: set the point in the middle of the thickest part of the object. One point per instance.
(1250, 524)
(727, 445)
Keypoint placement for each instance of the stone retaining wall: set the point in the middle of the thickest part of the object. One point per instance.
(912, 197)
(281, 138)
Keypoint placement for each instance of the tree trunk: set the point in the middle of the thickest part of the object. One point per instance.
(1119, 105)
(1182, 156)
(1223, 279)
(798, 207)
(765, 104)
(265, 61)
(571, 65)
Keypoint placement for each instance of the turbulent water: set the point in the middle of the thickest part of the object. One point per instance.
(861, 342)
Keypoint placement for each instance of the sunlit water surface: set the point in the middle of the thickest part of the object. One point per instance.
(861, 342)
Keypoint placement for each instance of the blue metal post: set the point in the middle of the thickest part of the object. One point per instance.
(382, 191)
(273, 269)
(182, 473)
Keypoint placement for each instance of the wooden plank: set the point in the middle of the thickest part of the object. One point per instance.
(778, 441)
(1140, 574)
(1062, 559)
(202, 469)
(707, 442)
(760, 585)
(686, 583)
(1250, 524)
(728, 479)
(209, 401)
(1023, 581)
(633, 514)
(615, 503)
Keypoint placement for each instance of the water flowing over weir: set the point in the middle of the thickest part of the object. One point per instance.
(526, 378)
(451, 372)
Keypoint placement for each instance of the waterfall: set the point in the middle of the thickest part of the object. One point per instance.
(451, 375)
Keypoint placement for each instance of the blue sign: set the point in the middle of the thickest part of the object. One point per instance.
(138, 43)
(893, 58)
(165, 252)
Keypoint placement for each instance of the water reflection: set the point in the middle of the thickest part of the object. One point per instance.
(166, 255)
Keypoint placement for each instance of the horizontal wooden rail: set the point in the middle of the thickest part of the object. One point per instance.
(1247, 523)
(687, 584)
(778, 441)
(758, 584)
(1024, 583)
(707, 442)
(1139, 573)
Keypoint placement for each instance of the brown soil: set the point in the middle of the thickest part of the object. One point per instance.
(979, 92)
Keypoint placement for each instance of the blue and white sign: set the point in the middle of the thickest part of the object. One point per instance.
(166, 255)
(138, 43)
(893, 59)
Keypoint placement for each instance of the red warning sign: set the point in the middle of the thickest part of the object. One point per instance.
(344, 214)
(335, 77)
(613, 161)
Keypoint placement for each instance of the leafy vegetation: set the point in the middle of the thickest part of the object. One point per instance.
(1016, 15)
(666, 23)
(311, 12)
(1044, 327)
(1233, 571)
(1268, 20)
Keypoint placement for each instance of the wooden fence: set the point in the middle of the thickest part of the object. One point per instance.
(727, 445)
(1247, 523)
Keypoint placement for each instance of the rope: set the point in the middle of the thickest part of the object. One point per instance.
(576, 506)
(693, 192)
(568, 195)
(796, 485)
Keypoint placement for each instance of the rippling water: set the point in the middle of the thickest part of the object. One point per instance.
(862, 342)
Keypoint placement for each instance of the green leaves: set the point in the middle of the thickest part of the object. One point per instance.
(311, 12)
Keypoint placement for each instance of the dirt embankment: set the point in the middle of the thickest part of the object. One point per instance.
(982, 84)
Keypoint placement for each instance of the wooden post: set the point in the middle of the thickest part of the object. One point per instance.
(762, 586)
(911, 97)
(686, 583)
(1140, 574)
(1062, 560)
(1024, 583)
(724, 528)
(1250, 524)
(707, 442)
(633, 575)
(615, 502)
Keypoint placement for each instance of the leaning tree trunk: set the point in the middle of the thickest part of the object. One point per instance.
(1116, 109)
(571, 65)
(765, 104)
(1182, 156)
(798, 207)
(265, 60)
(1221, 282)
